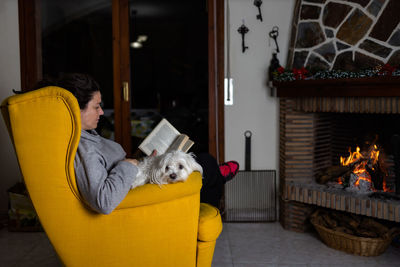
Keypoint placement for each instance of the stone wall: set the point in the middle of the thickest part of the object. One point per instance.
(345, 35)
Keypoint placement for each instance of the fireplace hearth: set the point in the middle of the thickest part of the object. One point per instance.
(319, 121)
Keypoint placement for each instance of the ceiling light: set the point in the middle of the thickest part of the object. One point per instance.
(142, 38)
(136, 45)
(139, 42)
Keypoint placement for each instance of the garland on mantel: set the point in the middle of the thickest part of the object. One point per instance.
(285, 75)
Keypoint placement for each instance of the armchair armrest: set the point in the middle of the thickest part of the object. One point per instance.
(210, 223)
(149, 194)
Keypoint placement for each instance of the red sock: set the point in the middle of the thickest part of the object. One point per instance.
(225, 170)
(228, 168)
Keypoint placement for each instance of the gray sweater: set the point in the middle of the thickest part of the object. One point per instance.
(102, 176)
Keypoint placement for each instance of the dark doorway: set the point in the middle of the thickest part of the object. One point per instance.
(169, 67)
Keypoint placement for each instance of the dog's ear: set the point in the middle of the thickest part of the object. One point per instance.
(162, 161)
(157, 170)
(192, 163)
(155, 176)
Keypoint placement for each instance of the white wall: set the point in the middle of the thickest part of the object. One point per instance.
(253, 108)
(9, 79)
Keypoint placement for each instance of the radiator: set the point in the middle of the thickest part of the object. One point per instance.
(250, 197)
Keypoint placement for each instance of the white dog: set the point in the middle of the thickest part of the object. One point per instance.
(168, 168)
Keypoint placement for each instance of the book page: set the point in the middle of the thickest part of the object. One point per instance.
(178, 143)
(160, 138)
(189, 143)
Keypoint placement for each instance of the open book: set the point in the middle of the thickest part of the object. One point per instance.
(165, 138)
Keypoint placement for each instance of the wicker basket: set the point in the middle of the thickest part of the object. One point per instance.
(362, 246)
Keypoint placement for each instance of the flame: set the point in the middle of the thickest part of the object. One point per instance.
(360, 163)
(352, 158)
(357, 183)
(374, 155)
(385, 188)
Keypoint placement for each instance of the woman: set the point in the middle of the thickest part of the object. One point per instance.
(103, 173)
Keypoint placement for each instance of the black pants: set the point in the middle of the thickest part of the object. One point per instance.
(213, 181)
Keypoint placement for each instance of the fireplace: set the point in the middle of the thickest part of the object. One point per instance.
(319, 121)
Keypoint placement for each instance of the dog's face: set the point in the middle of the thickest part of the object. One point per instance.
(174, 167)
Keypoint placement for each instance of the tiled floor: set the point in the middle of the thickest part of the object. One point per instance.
(240, 244)
(26, 249)
(268, 244)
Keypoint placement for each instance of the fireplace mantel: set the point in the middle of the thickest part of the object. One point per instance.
(385, 86)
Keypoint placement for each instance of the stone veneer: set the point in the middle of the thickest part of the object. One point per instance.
(345, 34)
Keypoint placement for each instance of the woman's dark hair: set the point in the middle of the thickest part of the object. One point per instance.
(82, 86)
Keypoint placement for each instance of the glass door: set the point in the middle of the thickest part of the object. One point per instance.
(85, 37)
(169, 68)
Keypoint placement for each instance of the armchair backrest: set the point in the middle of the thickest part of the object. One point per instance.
(44, 126)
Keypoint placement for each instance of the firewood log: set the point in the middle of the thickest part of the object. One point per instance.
(353, 224)
(344, 230)
(347, 220)
(362, 232)
(377, 175)
(374, 226)
(330, 223)
(330, 174)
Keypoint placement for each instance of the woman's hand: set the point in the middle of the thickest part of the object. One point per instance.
(154, 153)
(132, 161)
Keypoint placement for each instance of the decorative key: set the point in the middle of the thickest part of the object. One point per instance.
(274, 35)
(243, 30)
(258, 4)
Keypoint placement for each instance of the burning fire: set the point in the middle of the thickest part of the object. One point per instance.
(354, 156)
(360, 164)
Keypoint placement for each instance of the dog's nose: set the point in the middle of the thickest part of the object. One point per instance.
(172, 175)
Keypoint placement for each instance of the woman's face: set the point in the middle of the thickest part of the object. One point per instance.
(91, 114)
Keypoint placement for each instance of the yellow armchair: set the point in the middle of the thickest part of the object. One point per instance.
(152, 226)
